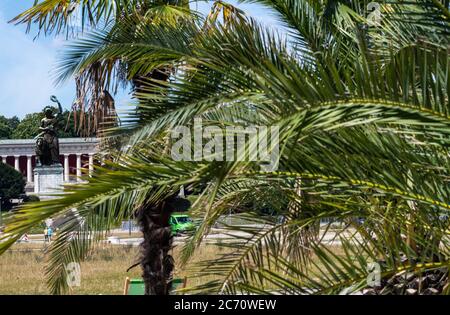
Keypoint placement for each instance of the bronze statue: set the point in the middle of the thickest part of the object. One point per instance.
(47, 143)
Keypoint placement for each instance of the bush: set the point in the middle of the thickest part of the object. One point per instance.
(12, 185)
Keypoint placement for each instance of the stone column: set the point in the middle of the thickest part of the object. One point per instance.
(78, 167)
(16, 163)
(3, 158)
(91, 163)
(29, 169)
(66, 168)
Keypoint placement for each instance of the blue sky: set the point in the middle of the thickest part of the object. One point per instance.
(26, 65)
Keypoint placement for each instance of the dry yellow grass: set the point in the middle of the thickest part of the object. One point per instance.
(104, 272)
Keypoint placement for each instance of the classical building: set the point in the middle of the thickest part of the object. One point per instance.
(75, 154)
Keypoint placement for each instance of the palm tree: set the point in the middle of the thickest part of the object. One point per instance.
(94, 106)
(363, 118)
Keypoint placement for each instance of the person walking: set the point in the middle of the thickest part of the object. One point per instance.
(46, 234)
(50, 233)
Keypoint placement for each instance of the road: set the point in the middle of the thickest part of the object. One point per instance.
(121, 238)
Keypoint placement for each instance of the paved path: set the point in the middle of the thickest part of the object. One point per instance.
(121, 237)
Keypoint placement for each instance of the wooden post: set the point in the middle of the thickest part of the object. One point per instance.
(127, 285)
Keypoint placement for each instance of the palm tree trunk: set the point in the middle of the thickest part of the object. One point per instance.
(156, 262)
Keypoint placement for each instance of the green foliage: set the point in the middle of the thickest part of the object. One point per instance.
(28, 127)
(97, 83)
(7, 126)
(12, 185)
(55, 16)
(364, 132)
(5, 131)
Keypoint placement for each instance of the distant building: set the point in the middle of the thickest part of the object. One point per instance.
(75, 154)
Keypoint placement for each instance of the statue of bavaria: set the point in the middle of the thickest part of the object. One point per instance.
(47, 143)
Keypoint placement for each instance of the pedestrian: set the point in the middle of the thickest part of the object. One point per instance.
(46, 234)
(50, 233)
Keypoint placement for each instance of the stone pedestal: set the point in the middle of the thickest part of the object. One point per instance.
(48, 179)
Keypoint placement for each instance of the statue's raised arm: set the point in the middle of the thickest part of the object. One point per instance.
(54, 99)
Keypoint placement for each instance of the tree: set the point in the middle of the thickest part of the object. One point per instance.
(95, 106)
(96, 83)
(5, 131)
(7, 125)
(28, 127)
(12, 185)
(364, 129)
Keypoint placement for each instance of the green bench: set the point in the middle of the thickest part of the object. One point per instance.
(137, 286)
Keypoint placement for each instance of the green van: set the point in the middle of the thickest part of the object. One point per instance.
(181, 223)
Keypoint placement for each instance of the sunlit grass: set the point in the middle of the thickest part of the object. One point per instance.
(104, 272)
